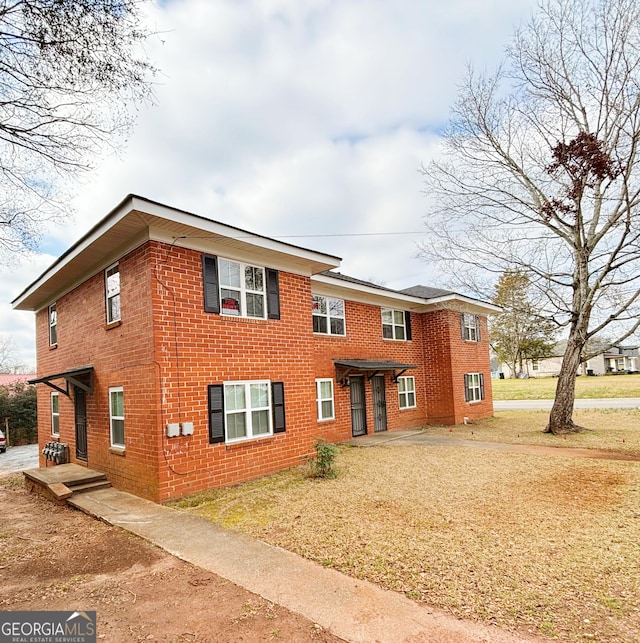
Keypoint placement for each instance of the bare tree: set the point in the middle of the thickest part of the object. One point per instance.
(540, 172)
(69, 72)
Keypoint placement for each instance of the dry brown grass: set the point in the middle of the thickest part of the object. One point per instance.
(614, 429)
(549, 545)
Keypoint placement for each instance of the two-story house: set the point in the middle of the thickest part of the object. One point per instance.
(176, 353)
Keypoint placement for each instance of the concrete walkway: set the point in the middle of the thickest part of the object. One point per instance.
(354, 610)
(602, 403)
(423, 438)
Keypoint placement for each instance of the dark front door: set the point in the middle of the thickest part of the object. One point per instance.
(358, 409)
(80, 403)
(379, 404)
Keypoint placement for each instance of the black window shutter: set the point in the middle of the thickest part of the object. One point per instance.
(277, 400)
(481, 386)
(407, 323)
(216, 413)
(273, 294)
(466, 388)
(210, 284)
(477, 328)
(462, 325)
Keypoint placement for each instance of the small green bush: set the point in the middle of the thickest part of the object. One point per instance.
(323, 465)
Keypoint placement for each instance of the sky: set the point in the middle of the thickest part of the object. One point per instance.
(303, 120)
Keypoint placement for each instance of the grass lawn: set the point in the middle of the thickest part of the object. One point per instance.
(542, 544)
(617, 429)
(543, 388)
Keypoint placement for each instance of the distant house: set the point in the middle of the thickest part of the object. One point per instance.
(176, 353)
(619, 359)
(12, 378)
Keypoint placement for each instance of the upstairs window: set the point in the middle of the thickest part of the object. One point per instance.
(328, 315)
(470, 327)
(240, 290)
(396, 324)
(112, 290)
(53, 325)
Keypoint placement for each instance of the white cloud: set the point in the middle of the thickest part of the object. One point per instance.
(294, 118)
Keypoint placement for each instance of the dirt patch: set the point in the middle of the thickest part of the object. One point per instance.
(56, 558)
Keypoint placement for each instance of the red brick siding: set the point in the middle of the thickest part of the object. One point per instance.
(167, 350)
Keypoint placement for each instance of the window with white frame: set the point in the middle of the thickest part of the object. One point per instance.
(324, 399)
(242, 289)
(116, 415)
(247, 408)
(535, 364)
(112, 290)
(407, 392)
(55, 414)
(474, 387)
(53, 325)
(393, 324)
(328, 315)
(470, 327)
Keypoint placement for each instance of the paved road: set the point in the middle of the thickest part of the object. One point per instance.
(18, 459)
(610, 403)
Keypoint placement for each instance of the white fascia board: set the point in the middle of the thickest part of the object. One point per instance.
(327, 286)
(460, 302)
(31, 299)
(223, 230)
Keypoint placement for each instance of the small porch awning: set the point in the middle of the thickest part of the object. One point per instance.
(372, 367)
(81, 377)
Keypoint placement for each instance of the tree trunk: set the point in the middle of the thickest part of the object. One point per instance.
(561, 416)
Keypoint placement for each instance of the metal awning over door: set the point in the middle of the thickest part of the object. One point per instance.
(370, 367)
(81, 377)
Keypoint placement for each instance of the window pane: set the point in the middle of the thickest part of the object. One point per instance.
(253, 278)
(336, 308)
(387, 332)
(229, 273)
(325, 390)
(259, 395)
(387, 317)
(337, 326)
(113, 281)
(234, 399)
(114, 308)
(402, 384)
(411, 398)
(260, 422)
(54, 403)
(55, 424)
(399, 332)
(117, 432)
(319, 305)
(398, 317)
(117, 403)
(319, 324)
(327, 409)
(230, 300)
(255, 305)
(236, 426)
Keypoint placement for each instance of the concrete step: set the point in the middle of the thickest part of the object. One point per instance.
(90, 486)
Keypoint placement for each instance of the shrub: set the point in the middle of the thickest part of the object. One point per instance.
(323, 465)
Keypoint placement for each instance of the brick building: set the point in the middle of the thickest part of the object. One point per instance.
(176, 353)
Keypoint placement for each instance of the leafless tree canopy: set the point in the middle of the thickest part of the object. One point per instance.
(69, 72)
(540, 172)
